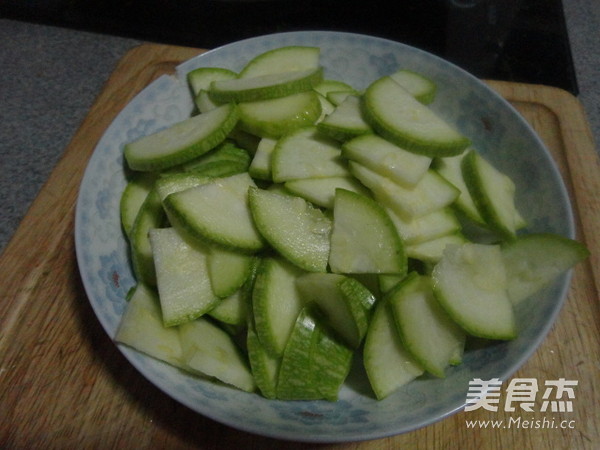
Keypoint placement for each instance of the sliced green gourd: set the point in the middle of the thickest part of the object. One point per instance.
(209, 350)
(388, 282)
(231, 310)
(282, 59)
(151, 215)
(228, 270)
(326, 107)
(431, 251)
(532, 261)
(336, 98)
(265, 87)
(314, 364)
(221, 169)
(183, 141)
(264, 366)
(296, 378)
(244, 139)
(132, 198)
(321, 191)
(201, 78)
(236, 309)
(205, 103)
(296, 229)
(345, 303)
(493, 193)
(451, 169)
(426, 330)
(387, 159)
(364, 239)
(435, 224)
(142, 328)
(345, 121)
(177, 182)
(419, 86)
(306, 153)
(397, 116)
(470, 283)
(387, 362)
(279, 116)
(217, 212)
(328, 85)
(330, 361)
(276, 303)
(431, 193)
(260, 167)
(181, 276)
(227, 152)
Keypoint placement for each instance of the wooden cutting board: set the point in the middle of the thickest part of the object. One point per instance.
(64, 384)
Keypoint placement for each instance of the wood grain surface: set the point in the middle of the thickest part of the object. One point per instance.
(64, 384)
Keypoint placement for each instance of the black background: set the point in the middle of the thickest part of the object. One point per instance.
(512, 40)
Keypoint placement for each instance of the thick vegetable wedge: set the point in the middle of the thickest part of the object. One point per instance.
(212, 352)
(183, 141)
(200, 79)
(277, 117)
(181, 276)
(387, 362)
(264, 366)
(440, 222)
(532, 261)
(387, 159)
(217, 212)
(431, 251)
(451, 169)
(177, 182)
(321, 191)
(226, 153)
(306, 153)
(265, 87)
(470, 283)
(493, 193)
(232, 310)
(345, 302)
(396, 115)
(426, 330)
(260, 167)
(236, 310)
(276, 303)
(133, 197)
(364, 239)
(327, 86)
(431, 193)
(297, 230)
(142, 328)
(315, 363)
(345, 121)
(228, 270)
(151, 215)
(282, 59)
(419, 86)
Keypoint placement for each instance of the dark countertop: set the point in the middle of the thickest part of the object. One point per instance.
(51, 75)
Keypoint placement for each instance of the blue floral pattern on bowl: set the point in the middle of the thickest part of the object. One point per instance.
(496, 130)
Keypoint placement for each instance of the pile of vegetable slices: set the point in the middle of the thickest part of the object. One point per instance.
(294, 221)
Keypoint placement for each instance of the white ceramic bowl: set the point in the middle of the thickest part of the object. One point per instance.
(495, 129)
